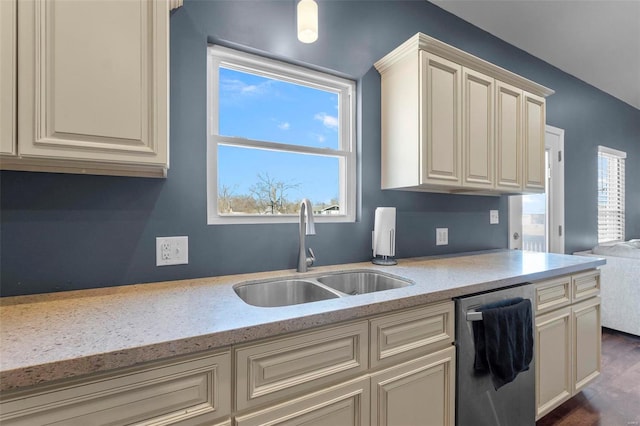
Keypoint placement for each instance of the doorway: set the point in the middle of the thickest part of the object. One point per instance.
(536, 221)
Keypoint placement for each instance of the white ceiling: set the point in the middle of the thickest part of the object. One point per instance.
(597, 41)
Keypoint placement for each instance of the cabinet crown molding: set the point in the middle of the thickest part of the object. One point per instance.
(424, 42)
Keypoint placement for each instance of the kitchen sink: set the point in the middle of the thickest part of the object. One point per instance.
(282, 292)
(293, 291)
(360, 282)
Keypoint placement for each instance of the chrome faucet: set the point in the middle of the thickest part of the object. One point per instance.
(306, 228)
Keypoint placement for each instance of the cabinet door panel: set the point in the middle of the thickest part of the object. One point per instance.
(478, 153)
(287, 366)
(533, 143)
(94, 80)
(553, 360)
(8, 43)
(346, 404)
(416, 392)
(441, 120)
(194, 389)
(508, 137)
(587, 342)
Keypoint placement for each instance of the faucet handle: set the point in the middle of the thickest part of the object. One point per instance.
(311, 258)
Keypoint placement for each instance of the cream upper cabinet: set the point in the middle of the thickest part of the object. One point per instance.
(534, 119)
(8, 43)
(93, 87)
(508, 137)
(452, 122)
(440, 121)
(478, 128)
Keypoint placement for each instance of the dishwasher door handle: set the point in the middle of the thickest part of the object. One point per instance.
(474, 316)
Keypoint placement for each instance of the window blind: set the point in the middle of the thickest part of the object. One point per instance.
(610, 194)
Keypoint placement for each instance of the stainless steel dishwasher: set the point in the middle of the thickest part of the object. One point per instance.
(477, 401)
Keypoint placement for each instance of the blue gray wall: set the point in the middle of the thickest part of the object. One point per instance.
(62, 232)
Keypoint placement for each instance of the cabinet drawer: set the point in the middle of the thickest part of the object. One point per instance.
(346, 404)
(552, 294)
(412, 333)
(288, 366)
(585, 285)
(165, 393)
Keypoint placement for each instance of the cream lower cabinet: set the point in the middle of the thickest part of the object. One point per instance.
(394, 369)
(568, 338)
(93, 87)
(189, 391)
(417, 392)
(335, 375)
(346, 404)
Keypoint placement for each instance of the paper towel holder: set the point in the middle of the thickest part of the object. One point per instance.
(385, 260)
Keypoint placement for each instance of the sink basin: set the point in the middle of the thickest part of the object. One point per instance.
(293, 291)
(282, 293)
(360, 282)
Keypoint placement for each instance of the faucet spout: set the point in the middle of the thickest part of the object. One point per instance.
(307, 227)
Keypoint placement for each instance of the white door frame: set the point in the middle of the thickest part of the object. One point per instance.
(554, 145)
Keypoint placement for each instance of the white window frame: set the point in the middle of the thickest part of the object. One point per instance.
(618, 156)
(229, 58)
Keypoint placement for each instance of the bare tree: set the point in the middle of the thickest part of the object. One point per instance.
(271, 194)
(225, 199)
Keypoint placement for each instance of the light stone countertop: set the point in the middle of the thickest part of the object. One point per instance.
(60, 335)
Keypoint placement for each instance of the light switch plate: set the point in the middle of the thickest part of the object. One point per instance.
(172, 251)
(494, 218)
(442, 236)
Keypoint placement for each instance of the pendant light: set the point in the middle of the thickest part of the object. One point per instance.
(307, 21)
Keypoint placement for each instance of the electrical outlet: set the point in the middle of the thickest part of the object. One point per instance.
(494, 218)
(442, 236)
(172, 251)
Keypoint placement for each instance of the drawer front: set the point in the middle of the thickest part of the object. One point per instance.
(405, 335)
(552, 294)
(290, 366)
(346, 404)
(159, 394)
(585, 285)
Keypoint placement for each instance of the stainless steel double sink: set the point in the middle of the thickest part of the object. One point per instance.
(295, 290)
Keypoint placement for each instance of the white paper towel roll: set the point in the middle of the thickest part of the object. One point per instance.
(384, 232)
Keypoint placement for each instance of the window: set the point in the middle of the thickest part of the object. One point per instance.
(277, 133)
(610, 194)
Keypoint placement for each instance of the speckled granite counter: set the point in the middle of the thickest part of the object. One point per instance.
(59, 335)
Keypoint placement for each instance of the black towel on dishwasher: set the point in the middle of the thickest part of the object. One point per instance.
(504, 339)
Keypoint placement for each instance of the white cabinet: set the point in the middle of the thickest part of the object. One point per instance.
(587, 343)
(440, 121)
(478, 130)
(191, 389)
(553, 360)
(345, 404)
(268, 371)
(93, 88)
(452, 122)
(568, 338)
(421, 391)
(508, 137)
(8, 58)
(534, 120)
(395, 368)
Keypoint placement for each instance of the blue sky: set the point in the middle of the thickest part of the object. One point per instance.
(259, 108)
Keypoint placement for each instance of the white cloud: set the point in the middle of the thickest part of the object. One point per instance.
(284, 126)
(328, 121)
(238, 88)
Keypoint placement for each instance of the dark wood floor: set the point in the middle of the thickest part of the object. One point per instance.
(614, 397)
